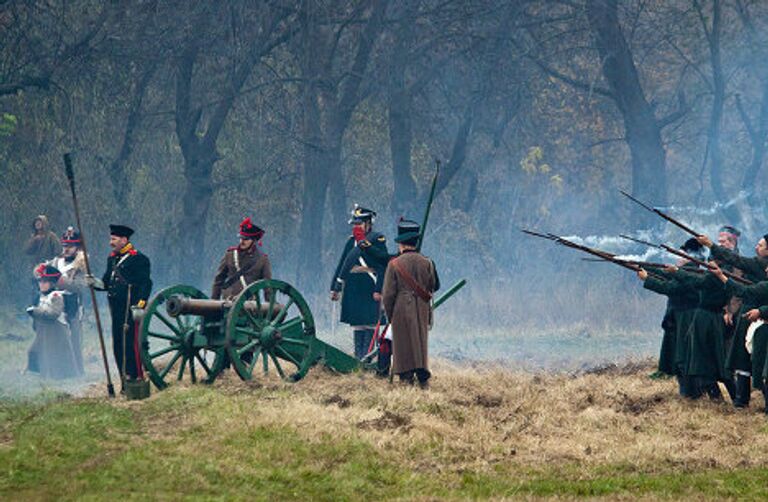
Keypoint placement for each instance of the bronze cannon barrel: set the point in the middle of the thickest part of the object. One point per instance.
(177, 305)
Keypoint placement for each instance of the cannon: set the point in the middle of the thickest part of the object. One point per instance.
(269, 324)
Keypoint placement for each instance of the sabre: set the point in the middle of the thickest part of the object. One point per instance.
(71, 177)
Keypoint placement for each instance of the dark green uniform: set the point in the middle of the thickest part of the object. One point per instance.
(753, 296)
(704, 355)
(681, 305)
(130, 267)
(738, 359)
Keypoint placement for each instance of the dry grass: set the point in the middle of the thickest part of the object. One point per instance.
(480, 420)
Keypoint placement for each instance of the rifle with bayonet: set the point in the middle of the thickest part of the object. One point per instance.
(586, 249)
(686, 256)
(670, 219)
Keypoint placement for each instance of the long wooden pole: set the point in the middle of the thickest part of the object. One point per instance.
(71, 177)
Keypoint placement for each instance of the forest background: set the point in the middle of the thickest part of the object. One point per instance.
(184, 117)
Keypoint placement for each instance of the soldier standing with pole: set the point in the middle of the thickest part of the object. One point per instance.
(127, 274)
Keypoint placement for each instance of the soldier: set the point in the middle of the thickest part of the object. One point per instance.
(71, 264)
(242, 264)
(409, 283)
(728, 237)
(681, 307)
(755, 294)
(738, 358)
(51, 353)
(127, 283)
(42, 245)
(360, 274)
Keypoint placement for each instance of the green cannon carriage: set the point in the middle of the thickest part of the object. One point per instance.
(268, 325)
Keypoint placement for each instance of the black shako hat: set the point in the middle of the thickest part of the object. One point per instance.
(361, 215)
(120, 231)
(71, 237)
(408, 232)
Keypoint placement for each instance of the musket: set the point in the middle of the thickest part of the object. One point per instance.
(682, 254)
(595, 252)
(429, 207)
(670, 219)
(650, 264)
(71, 177)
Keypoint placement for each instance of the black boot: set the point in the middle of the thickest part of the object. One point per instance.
(711, 389)
(743, 390)
(765, 396)
(689, 387)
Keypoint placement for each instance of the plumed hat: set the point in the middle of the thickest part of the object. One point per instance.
(250, 231)
(71, 237)
(361, 215)
(47, 273)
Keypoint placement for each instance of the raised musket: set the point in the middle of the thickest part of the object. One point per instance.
(682, 254)
(670, 219)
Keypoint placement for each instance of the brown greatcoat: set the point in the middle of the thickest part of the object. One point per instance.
(410, 315)
(229, 281)
(43, 244)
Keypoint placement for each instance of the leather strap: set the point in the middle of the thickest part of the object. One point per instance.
(411, 282)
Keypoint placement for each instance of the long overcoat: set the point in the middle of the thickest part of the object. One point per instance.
(409, 314)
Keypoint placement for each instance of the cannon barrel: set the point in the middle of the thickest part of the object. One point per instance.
(177, 305)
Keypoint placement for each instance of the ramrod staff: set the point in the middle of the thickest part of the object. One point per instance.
(71, 177)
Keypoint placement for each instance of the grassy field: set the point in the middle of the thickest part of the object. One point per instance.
(477, 434)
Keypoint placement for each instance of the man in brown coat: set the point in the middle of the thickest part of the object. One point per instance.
(409, 283)
(242, 264)
(43, 244)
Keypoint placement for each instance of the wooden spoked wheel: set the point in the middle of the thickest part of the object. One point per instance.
(174, 346)
(271, 325)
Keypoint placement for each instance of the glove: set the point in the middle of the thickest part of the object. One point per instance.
(93, 282)
(31, 311)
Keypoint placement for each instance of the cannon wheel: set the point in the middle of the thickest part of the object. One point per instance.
(281, 333)
(167, 348)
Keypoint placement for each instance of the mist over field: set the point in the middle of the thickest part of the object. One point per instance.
(184, 119)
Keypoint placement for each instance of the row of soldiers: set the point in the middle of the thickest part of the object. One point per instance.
(714, 329)
(373, 286)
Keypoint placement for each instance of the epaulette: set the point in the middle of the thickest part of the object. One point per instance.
(364, 244)
(132, 252)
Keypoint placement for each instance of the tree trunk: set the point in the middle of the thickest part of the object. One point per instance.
(400, 132)
(649, 177)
